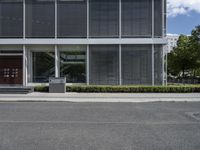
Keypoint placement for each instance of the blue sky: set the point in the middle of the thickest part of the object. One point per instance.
(183, 16)
(183, 24)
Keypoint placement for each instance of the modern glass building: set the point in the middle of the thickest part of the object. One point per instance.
(94, 42)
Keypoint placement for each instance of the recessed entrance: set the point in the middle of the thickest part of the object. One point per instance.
(11, 70)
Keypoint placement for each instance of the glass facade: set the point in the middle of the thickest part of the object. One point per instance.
(87, 44)
(11, 18)
(43, 66)
(158, 64)
(40, 18)
(137, 64)
(104, 64)
(136, 18)
(73, 63)
(158, 18)
(72, 18)
(42, 63)
(104, 18)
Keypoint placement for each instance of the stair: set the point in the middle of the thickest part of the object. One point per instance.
(16, 90)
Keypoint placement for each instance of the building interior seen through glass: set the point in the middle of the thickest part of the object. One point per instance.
(72, 64)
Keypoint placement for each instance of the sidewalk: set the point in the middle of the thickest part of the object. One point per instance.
(101, 97)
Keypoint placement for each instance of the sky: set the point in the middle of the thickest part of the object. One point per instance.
(183, 16)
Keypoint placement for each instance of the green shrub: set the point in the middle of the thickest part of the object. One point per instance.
(134, 89)
(127, 89)
(41, 89)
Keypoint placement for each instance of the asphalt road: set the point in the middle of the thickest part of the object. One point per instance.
(99, 126)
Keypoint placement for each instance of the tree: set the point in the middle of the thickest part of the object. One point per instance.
(186, 56)
(180, 59)
(194, 46)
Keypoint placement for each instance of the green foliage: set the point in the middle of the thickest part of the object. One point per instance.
(134, 89)
(41, 89)
(194, 46)
(186, 56)
(127, 89)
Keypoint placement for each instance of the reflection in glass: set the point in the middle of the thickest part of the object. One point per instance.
(136, 18)
(104, 64)
(137, 64)
(158, 64)
(11, 18)
(40, 18)
(72, 66)
(72, 18)
(104, 18)
(43, 64)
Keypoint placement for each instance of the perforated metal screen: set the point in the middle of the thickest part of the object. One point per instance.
(137, 64)
(72, 18)
(104, 18)
(11, 18)
(40, 18)
(104, 64)
(136, 18)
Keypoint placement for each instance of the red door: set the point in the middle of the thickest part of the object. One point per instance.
(11, 69)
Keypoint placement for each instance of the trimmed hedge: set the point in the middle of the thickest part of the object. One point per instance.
(127, 89)
(41, 89)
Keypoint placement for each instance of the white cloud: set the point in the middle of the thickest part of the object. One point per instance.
(182, 7)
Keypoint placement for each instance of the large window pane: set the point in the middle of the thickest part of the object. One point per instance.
(11, 18)
(158, 69)
(72, 18)
(104, 18)
(158, 18)
(40, 18)
(73, 63)
(136, 18)
(137, 64)
(43, 63)
(104, 64)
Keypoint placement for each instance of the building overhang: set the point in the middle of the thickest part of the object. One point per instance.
(91, 41)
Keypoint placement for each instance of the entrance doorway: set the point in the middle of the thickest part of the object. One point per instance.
(11, 70)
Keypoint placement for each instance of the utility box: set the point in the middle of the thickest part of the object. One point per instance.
(57, 85)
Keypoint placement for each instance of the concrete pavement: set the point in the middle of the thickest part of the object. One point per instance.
(102, 97)
(99, 126)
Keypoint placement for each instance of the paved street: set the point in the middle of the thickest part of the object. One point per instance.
(99, 126)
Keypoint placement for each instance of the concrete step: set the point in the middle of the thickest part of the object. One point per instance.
(16, 90)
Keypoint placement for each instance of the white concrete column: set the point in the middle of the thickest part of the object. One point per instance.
(25, 68)
(153, 80)
(163, 66)
(153, 76)
(120, 46)
(120, 64)
(57, 62)
(29, 66)
(88, 52)
(88, 66)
